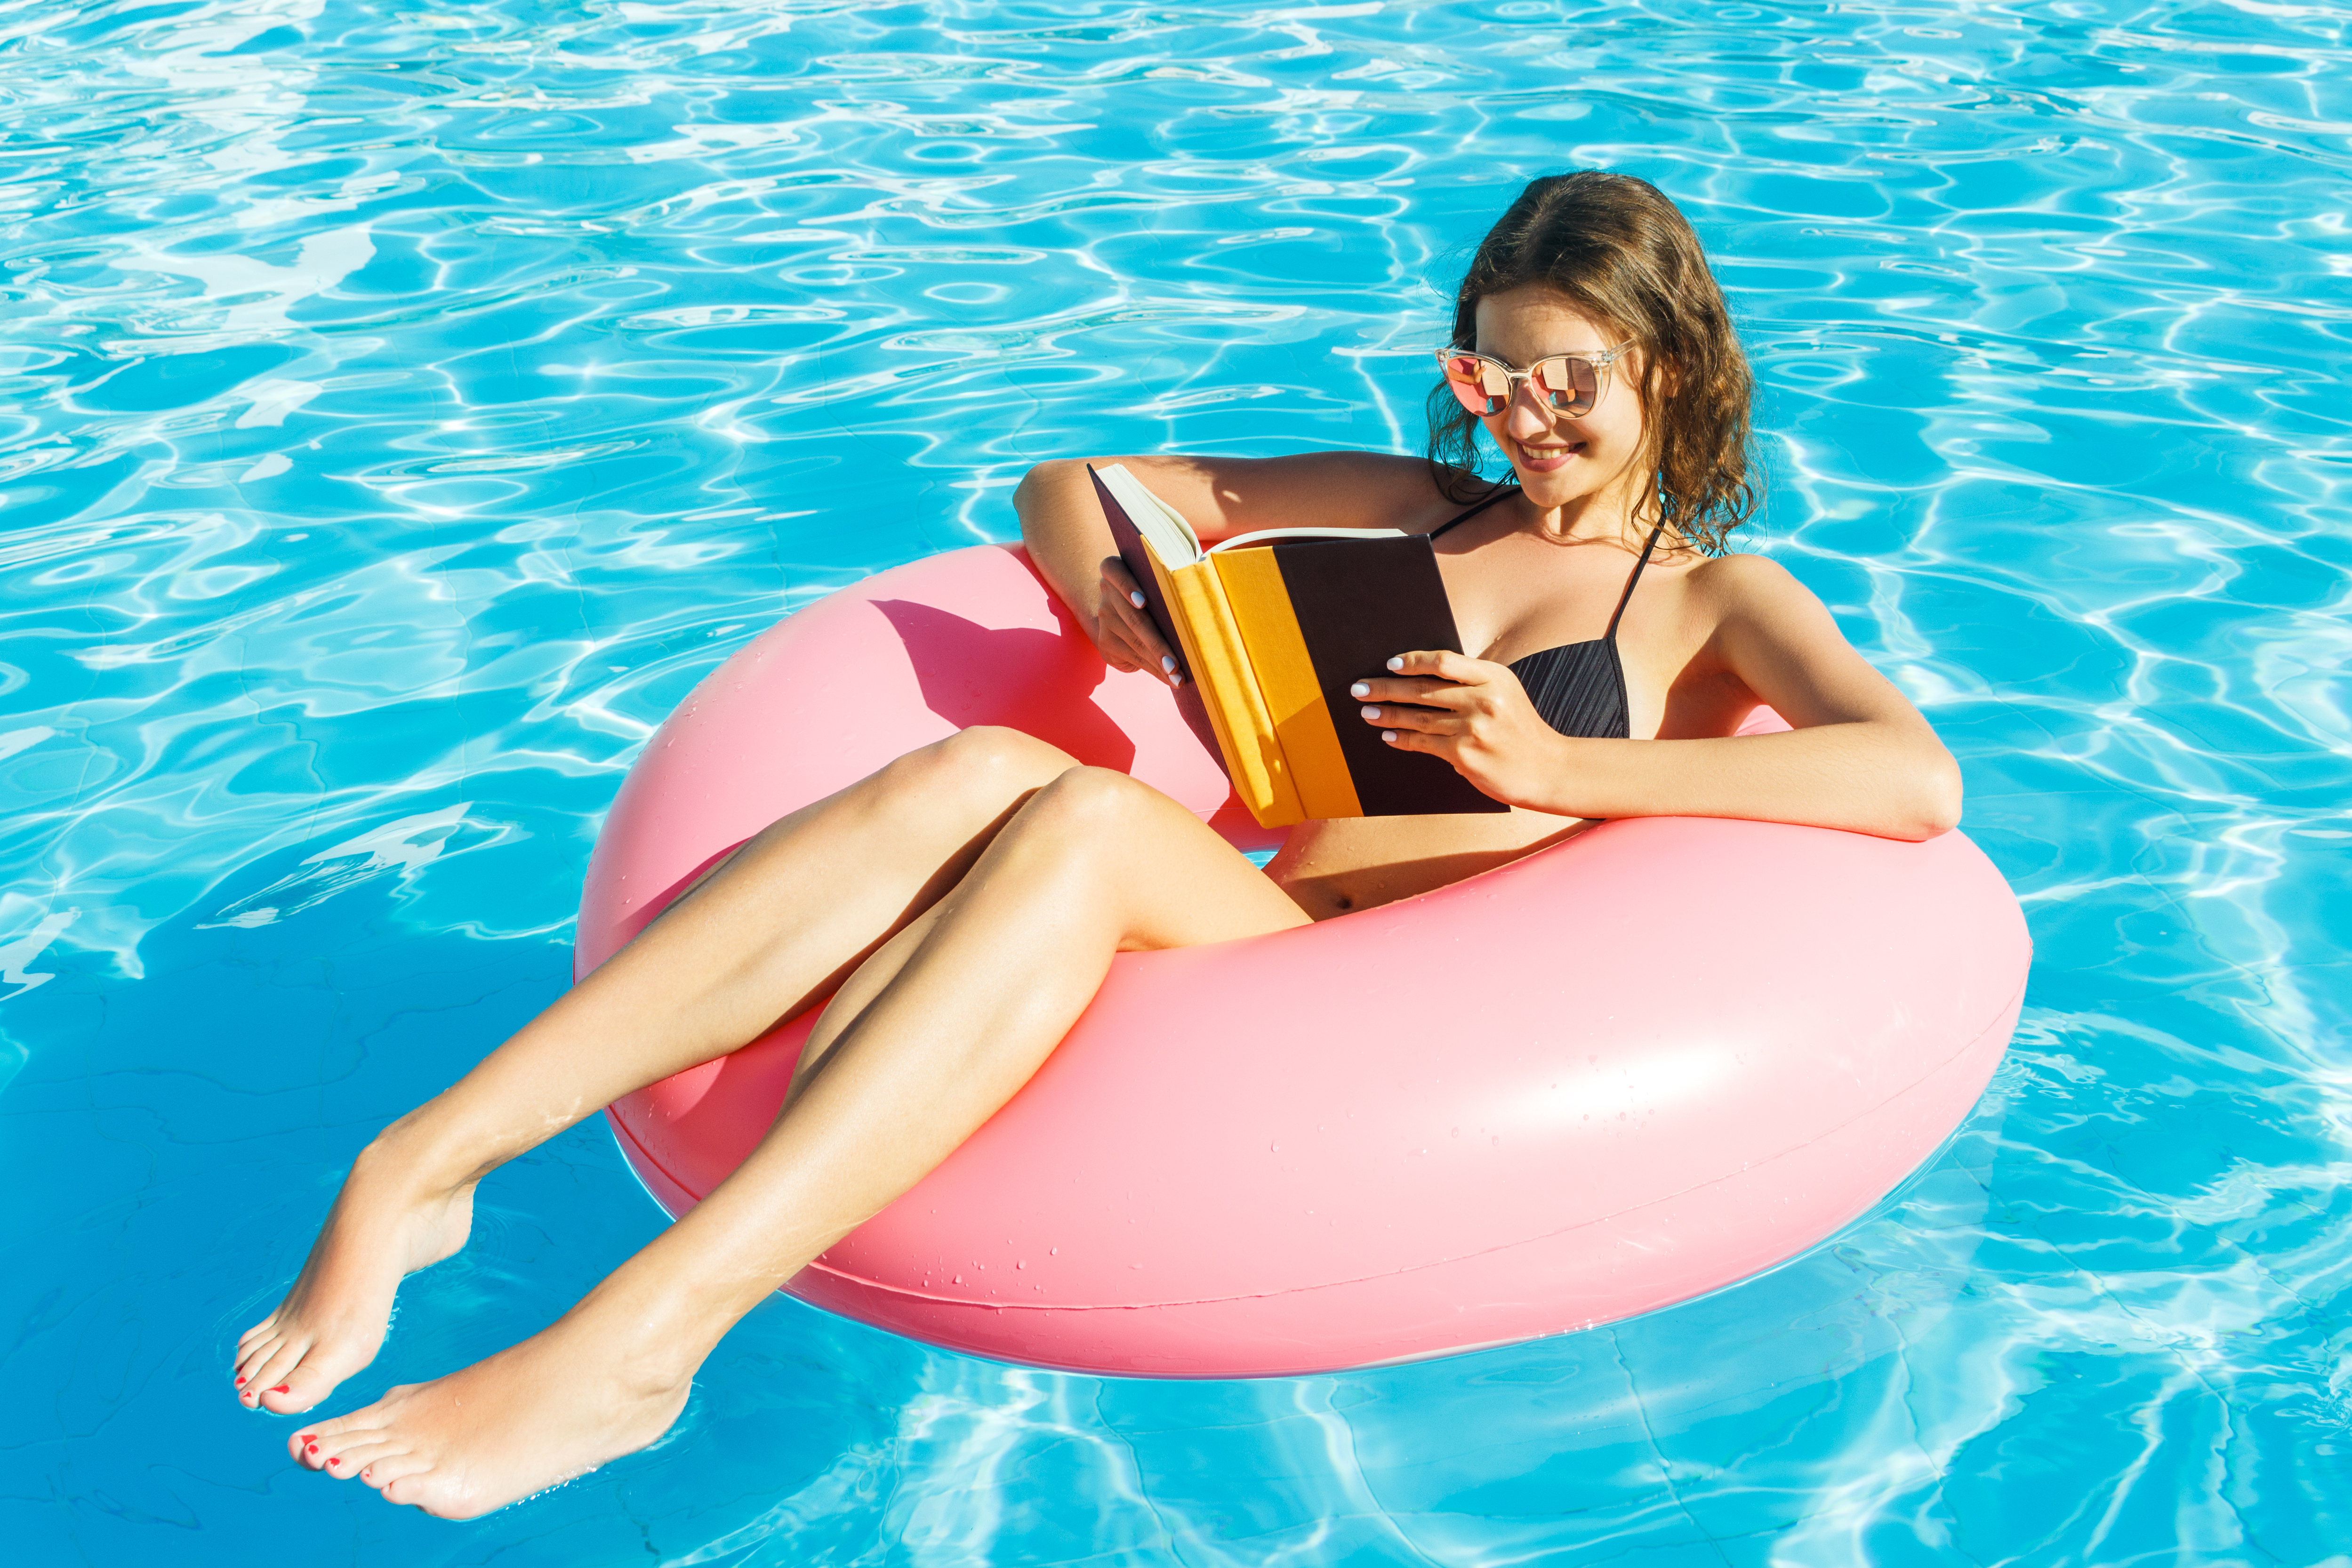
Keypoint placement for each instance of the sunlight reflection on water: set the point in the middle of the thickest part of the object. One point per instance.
(407, 408)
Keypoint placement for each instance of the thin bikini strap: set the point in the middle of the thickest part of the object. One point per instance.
(1627, 597)
(1502, 492)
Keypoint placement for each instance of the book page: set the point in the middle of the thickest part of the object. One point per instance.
(1162, 526)
(1263, 535)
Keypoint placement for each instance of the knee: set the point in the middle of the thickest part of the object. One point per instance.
(993, 756)
(986, 761)
(1087, 806)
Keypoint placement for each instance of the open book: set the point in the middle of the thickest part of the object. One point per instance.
(1272, 628)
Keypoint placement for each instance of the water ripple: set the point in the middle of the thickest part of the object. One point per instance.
(405, 408)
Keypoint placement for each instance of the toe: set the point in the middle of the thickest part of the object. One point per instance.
(267, 1378)
(297, 1391)
(337, 1465)
(251, 1357)
(433, 1492)
(389, 1471)
(355, 1461)
(318, 1442)
(412, 1490)
(272, 1399)
(305, 1448)
(314, 1441)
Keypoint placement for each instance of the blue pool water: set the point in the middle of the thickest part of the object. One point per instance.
(406, 405)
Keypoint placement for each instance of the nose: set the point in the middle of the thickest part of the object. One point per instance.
(1528, 416)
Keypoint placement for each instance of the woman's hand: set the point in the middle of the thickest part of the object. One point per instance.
(1123, 631)
(1473, 713)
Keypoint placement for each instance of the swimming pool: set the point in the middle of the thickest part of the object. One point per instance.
(407, 407)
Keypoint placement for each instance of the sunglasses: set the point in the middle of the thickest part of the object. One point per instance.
(1570, 383)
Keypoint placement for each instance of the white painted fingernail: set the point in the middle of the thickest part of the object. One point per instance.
(1361, 689)
(1389, 736)
(1167, 665)
(1136, 599)
(1397, 663)
(1371, 712)
(1175, 680)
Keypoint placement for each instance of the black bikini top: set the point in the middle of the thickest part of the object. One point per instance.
(1579, 688)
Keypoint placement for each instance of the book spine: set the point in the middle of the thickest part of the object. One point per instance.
(1236, 708)
(1179, 631)
(1287, 679)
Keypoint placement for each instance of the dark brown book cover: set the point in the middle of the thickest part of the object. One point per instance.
(1360, 603)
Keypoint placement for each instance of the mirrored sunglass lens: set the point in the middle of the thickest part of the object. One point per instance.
(1481, 387)
(1571, 383)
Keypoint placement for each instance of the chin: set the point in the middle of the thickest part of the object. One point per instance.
(1549, 490)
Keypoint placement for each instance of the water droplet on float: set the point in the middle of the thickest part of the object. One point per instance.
(956, 1280)
(1021, 1263)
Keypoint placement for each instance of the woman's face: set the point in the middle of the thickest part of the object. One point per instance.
(1562, 459)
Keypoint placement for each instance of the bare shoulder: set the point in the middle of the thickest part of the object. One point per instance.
(1739, 574)
(1742, 585)
(1752, 602)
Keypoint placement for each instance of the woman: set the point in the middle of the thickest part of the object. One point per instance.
(966, 901)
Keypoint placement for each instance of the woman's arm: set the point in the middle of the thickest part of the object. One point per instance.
(1062, 522)
(1859, 757)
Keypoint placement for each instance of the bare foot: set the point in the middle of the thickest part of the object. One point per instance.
(531, 1417)
(385, 1223)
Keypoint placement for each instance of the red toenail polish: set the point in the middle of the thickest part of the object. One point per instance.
(309, 1448)
(282, 1388)
(240, 1383)
(335, 1461)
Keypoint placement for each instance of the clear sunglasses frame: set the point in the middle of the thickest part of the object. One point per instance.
(1497, 382)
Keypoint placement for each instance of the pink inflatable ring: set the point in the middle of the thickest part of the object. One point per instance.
(1666, 1053)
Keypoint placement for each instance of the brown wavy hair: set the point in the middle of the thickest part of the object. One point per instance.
(1620, 252)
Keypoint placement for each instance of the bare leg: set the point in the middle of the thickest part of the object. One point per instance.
(983, 987)
(783, 922)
